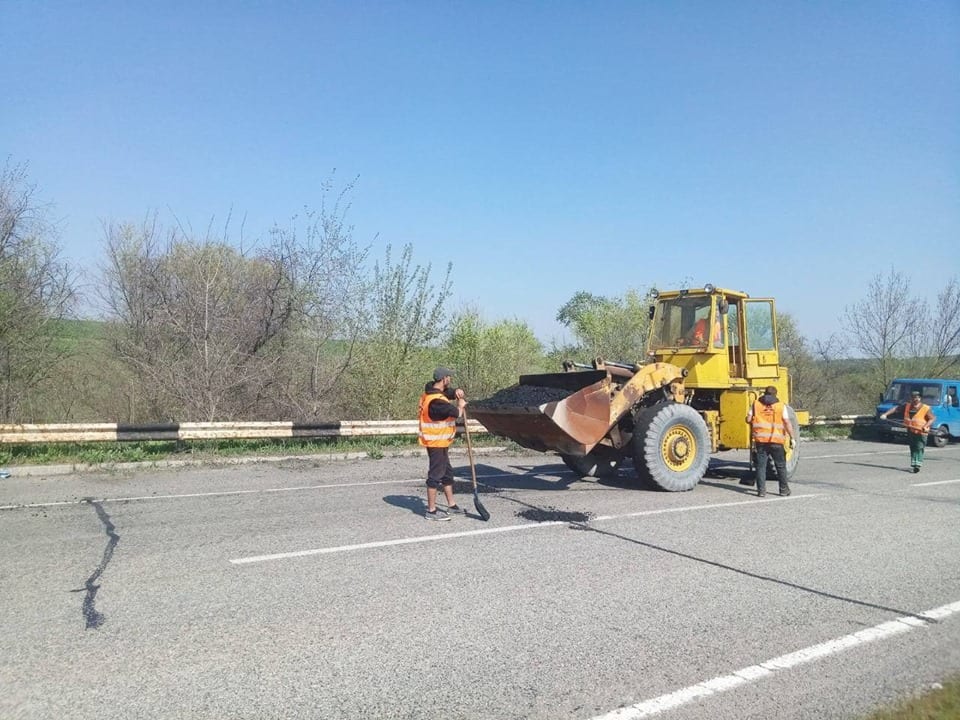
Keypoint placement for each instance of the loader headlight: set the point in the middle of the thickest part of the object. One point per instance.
(654, 293)
(708, 288)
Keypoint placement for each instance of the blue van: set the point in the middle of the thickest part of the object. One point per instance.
(939, 394)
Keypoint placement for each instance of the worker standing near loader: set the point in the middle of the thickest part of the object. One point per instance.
(918, 419)
(771, 428)
(440, 406)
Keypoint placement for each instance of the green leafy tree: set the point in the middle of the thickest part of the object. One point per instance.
(611, 328)
(406, 319)
(488, 357)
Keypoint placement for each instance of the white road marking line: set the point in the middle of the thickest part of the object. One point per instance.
(487, 531)
(937, 482)
(221, 493)
(657, 705)
(227, 493)
(853, 454)
(389, 543)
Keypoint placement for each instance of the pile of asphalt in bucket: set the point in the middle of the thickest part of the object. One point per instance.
(523, 396)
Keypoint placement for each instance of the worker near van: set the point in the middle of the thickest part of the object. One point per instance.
(918, 419)
(440, 406)
(772, 429)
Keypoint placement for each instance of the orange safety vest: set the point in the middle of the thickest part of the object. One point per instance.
(768, 423)
(915, 424)
(700, 333)
(435, 433)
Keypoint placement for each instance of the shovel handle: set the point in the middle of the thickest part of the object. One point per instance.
(466, 432)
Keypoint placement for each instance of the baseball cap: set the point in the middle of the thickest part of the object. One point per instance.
(915, 393)
(441, 372)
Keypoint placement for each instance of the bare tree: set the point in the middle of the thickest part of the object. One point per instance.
(36, 292)
(943, 347)
(887, 326)
(329, 268)
(201, 324)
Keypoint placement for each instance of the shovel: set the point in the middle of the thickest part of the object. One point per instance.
(478, 506)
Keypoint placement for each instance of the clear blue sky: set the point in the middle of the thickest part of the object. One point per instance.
(792, 149)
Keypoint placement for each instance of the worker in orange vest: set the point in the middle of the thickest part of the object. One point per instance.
(698, 335)
(918, 419)
(772, 430)
(440, 406)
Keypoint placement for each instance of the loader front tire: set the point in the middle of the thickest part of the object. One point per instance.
(601, 462)
(671, 447)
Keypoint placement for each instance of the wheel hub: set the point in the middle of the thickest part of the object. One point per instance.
(679, 448)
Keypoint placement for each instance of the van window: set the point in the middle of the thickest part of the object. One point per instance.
(900, 393)
(931, 394)
(952, 398)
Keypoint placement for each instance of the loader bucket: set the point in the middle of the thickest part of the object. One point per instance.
(566, 412)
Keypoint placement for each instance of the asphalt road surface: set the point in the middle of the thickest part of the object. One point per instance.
(301, 589)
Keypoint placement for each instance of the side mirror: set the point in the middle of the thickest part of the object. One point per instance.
(723, 306)
(652, 309)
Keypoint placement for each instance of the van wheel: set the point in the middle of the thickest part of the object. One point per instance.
(671, 446)
(601, 462)
(940, 437)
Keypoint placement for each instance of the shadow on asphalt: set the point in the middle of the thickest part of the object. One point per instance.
(898, 468)
(413, 503)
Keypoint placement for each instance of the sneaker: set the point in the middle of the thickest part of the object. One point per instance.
(785, 492)
(916, 468)
(762, 493)
(436, 515)
(454, 509)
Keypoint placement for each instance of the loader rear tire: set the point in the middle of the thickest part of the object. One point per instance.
(793, 454)
(601, 462)
(671, 447)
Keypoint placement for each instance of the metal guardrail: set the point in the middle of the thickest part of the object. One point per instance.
(833, 421)
(118, 432)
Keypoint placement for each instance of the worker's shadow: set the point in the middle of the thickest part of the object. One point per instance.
(414, 503)
(418, 506)
(898, 468)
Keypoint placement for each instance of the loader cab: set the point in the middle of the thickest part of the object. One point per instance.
(741, 349)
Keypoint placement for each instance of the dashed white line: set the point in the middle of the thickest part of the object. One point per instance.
(488, 531)
(683, 696)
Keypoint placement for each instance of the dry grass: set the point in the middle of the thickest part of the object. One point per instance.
(940, 703)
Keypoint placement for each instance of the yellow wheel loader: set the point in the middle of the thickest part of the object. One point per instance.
(711, 352)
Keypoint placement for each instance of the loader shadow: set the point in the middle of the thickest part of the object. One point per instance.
(492, 479)
(557, 476)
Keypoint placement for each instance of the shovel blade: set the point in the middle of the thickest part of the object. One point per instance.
(478, 506)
